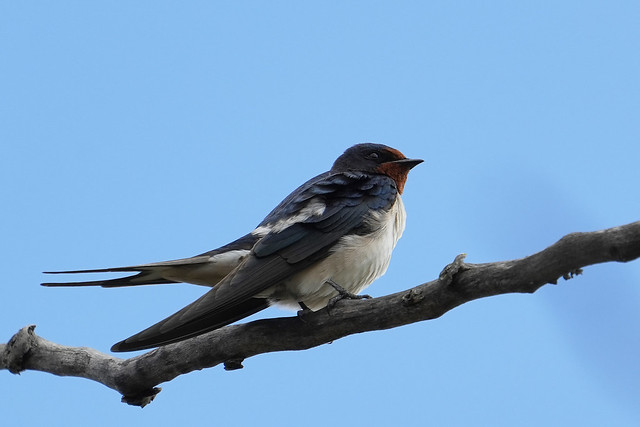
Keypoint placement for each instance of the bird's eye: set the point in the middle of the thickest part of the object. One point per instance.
(373, 155)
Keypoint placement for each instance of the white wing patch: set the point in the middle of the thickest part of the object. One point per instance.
(315, 207)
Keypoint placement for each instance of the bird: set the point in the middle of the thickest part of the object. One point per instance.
(327, 240)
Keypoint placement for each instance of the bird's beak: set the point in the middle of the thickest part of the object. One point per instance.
(408, 163)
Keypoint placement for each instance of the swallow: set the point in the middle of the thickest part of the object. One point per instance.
(329, 239)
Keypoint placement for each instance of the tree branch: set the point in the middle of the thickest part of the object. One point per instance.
(136, 378)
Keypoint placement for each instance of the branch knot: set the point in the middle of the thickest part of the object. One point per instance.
(447, 273)
(141, 399)
(233, 364)
(413, 297)
(19, 349)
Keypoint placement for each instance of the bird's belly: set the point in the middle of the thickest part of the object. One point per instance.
(354, 263)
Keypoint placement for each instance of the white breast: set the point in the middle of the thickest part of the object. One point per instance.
(355, 262)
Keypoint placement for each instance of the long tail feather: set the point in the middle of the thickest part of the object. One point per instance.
(148, 274)
(142, 278)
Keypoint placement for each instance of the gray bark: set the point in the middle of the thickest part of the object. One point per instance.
(136, 378)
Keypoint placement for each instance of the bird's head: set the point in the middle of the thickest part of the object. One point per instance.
(376, 158)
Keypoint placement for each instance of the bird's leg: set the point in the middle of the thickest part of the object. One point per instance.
(303, 306)
(342, 294)
(304, 310)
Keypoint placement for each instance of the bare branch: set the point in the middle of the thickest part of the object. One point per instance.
(136, 378)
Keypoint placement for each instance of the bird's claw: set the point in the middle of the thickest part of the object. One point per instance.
(342, 294)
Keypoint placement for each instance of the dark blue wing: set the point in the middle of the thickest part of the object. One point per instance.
(348, 200)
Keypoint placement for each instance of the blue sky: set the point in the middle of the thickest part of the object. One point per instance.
(135, 132)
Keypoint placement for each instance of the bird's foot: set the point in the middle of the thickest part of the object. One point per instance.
(342, 294)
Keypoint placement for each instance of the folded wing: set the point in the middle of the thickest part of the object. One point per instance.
(342, 204)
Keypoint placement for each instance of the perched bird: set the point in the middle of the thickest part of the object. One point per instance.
(327, 240)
